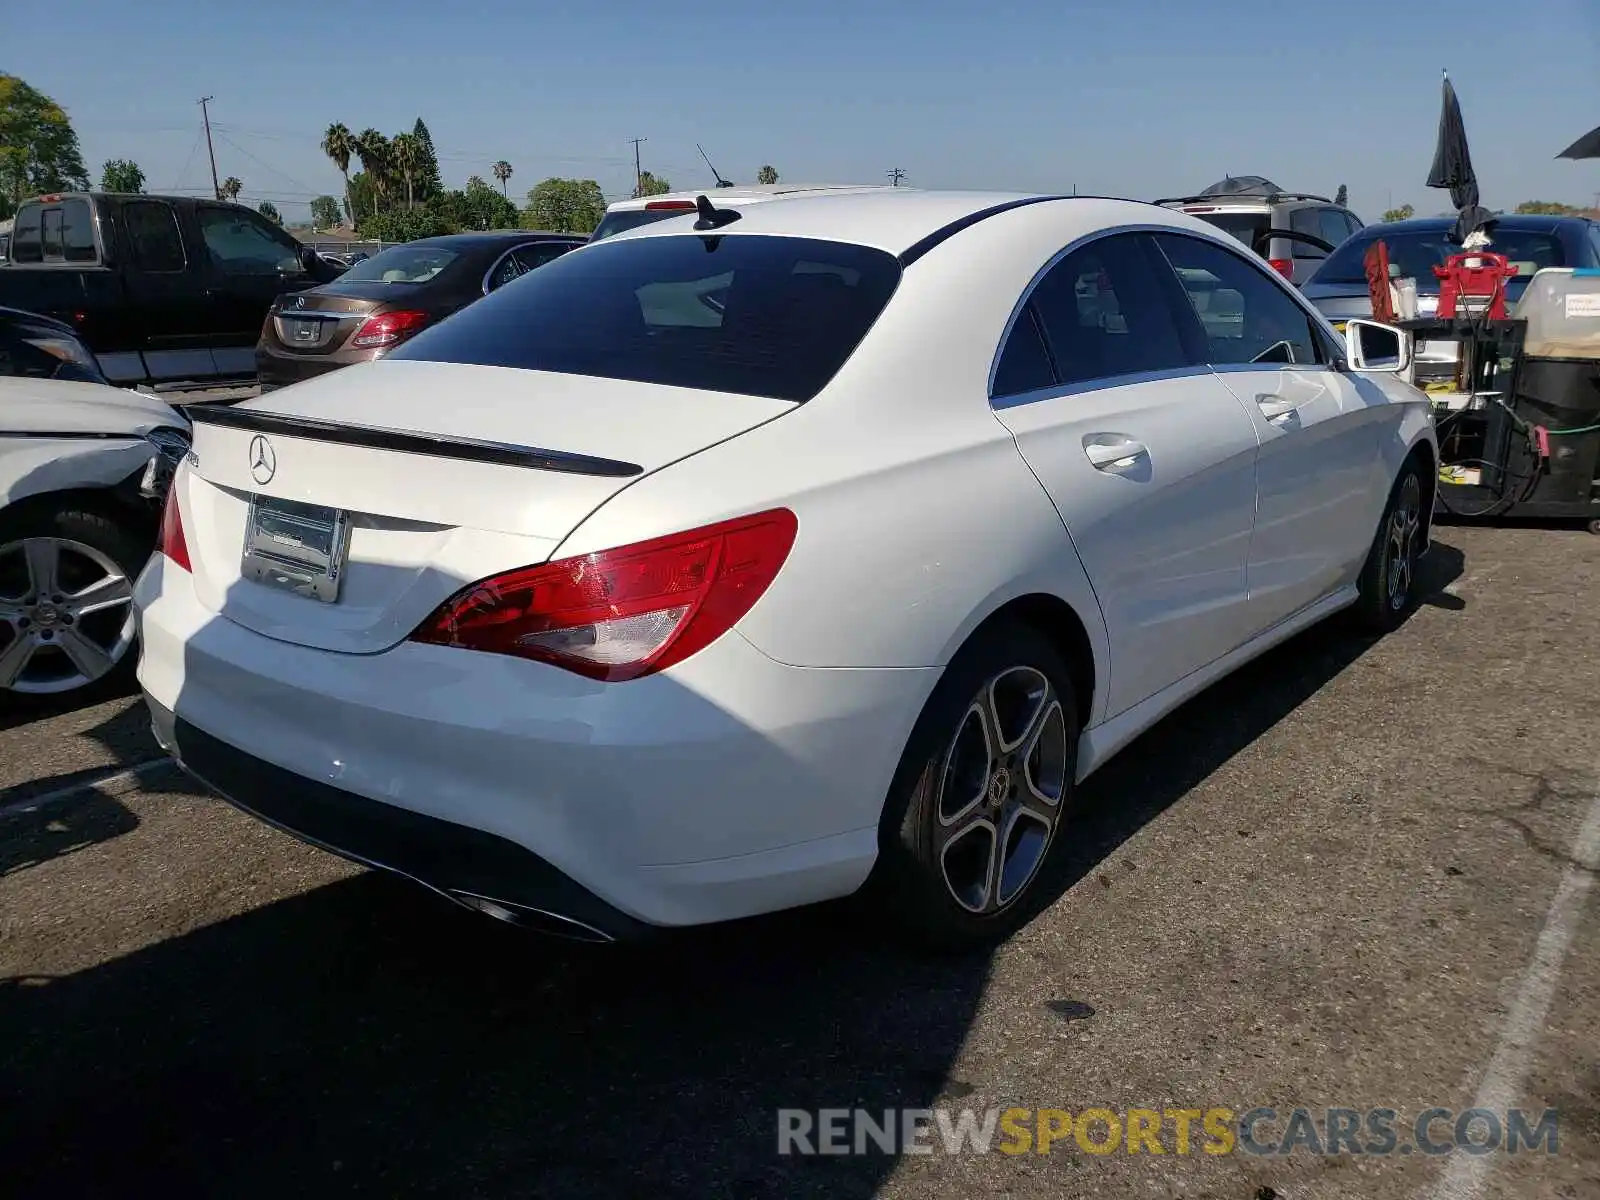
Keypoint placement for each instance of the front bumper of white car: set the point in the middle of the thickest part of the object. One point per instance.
(728, 786)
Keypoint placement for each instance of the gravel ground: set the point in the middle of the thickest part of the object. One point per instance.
(1352, 876)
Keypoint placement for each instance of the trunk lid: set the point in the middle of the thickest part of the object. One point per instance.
(448, 473)
(322, 319)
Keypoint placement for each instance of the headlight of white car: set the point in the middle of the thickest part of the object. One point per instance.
(67, 350)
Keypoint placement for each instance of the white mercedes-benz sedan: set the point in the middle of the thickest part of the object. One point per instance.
(746, 560)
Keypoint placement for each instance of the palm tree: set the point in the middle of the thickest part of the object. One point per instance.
(231, 187)
(406, 153)
(376, 160)
(768, 175)
(338, 144)
(502, 172)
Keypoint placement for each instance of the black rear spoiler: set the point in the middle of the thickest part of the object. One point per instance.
(406, 441)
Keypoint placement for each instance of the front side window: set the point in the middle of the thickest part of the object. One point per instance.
(1244, 316)
(242, 244)
(153, 235)
(1103, 313)
(745, 314)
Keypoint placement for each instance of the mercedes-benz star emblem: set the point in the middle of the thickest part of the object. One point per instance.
(263, 462)
(299, 301)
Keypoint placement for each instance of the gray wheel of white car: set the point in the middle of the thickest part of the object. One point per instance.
(67, 621)
(983, 789)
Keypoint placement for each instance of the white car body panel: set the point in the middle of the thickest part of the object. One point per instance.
(102, 435)
(752, 775)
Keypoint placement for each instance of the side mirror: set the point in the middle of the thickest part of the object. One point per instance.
(1372, 348)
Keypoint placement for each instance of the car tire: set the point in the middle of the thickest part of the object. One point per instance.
(88, 548)
(1387, 585)
(958, 796)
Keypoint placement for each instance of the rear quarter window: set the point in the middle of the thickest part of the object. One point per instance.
(743, 314)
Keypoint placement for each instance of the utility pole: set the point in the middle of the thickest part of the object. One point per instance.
(638, 175)
(896, 174)
(216, 188)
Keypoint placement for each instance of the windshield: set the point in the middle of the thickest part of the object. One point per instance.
(631, 218)
(1243, 226)
(1414, 253)
(402, 264)
(752, 315)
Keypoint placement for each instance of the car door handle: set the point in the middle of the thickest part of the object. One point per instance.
(1275, 408)
(1107, 451)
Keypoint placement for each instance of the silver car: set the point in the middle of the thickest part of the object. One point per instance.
(1294, 231)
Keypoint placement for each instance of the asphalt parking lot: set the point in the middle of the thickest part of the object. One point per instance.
(1354, 875)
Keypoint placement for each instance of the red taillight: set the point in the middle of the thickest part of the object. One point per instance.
(172, 542)
(622, 613)
(386, 329)
(660, 205)
(1283, 266)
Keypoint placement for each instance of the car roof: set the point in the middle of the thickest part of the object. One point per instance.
(899, 220)
(492, 237)
(1528, 222)
(751, 194)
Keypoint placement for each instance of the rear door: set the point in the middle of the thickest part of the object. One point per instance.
(1148, 457)
(1319, 449)
(167, 294)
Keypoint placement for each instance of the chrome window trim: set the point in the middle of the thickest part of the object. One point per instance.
(489, 274)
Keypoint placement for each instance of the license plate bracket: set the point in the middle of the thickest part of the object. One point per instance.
(296, 546)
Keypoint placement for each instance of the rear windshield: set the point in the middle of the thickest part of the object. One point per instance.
(1246, 227)
(752, 315)
(402, 264)
(631, 218)
(1413, 254)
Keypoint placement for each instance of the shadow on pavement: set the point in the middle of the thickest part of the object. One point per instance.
(368, 1038)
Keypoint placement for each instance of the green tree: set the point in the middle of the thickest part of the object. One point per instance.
(1547, 208)
(38, 147)
(121, 175)
(429, 184)
(1342, 196)
(325, 212)
(767, 176)
(502, 172)
(231, 187)
(565, 205)
(489, 209)
(406, 154)
(377, 164)
(1404, 213)
(339, 144)
(269, 210)
(404, 226)
(650, 185)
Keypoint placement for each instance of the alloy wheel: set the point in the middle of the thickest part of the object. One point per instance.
(1400, 552)
(1000, 791)
(66, 615)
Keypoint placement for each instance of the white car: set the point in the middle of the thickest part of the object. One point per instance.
(711, 571)
(83, 470)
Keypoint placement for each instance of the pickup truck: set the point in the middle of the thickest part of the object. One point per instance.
(163, 289)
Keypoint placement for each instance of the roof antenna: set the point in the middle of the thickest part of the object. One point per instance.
(712, 217)
(715, 174)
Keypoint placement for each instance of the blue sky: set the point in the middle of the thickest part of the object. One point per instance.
(1137, 97)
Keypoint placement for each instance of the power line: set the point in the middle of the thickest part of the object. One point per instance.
(263, 163)
(184, 174)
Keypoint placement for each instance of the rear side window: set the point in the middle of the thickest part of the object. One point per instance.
(1309, 221)
(153, 236)
(751, 315)
(1245, 316)
(1025, 364)
(1104, 313)
(540, 253)
(26, 245)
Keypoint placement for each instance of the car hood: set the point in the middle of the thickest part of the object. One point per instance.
(35, 406)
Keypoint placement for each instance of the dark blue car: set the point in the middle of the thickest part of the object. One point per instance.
(1339, 286)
